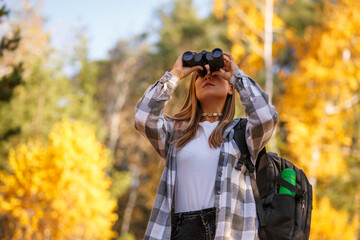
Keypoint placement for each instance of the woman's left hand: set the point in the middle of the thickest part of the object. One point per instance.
(180, 71)
(228, 70)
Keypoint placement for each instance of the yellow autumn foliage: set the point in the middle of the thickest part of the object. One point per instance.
(246, 23)
(321, 93)
(331, 224)
(320, 108)
(59, 190)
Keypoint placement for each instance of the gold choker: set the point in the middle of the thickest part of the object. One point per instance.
(211, 114)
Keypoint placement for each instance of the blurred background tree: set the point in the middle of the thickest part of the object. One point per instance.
(320, 106)
(58, 190)
(11, 75)
(47, 94)
(10, 72)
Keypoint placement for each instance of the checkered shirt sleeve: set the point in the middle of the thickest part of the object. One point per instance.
(149, 118)
(261, 115)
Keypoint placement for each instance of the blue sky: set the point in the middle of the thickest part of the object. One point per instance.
(105, 21)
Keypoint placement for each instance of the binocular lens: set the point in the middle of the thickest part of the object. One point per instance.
(188, 55)
(198, 59)
(216, 53)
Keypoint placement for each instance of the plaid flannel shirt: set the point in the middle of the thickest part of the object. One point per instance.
(236, 210)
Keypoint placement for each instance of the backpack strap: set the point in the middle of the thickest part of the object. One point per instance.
(298, 192)
(245, 159)
(239, 138)
(259, 208)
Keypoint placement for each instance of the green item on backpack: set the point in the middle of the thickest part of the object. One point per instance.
(288, 175)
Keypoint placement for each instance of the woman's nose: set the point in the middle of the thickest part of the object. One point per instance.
(208, 75)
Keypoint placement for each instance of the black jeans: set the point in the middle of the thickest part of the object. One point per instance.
(196, 225)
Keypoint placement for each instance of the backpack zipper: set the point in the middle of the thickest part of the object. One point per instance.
(303, 205)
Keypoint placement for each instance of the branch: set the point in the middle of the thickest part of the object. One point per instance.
(259, 51)
(260, 4)
(10, 44)
(243, 17)
(331, 109)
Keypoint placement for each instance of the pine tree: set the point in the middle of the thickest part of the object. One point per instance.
(9, 42)
(9, 79)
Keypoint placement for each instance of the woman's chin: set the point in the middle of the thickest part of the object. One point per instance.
(210, 96)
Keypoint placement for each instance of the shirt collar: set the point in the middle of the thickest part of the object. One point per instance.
(231, 126)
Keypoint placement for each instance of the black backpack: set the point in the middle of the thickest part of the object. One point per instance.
(281, 216)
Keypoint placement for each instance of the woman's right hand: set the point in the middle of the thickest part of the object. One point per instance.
(180, 71)
(229, 69)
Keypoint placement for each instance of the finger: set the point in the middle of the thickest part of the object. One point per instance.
(196, 68)
(199, 68)
(227, 61)
(220, 73)
(226, 58)
(228, 55)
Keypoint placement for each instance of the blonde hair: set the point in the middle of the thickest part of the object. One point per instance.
(187, 120)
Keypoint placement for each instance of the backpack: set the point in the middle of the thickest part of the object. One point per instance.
(281, 216)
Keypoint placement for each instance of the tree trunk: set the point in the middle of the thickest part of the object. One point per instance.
(269, 8)
(118, 90)
(125, 226)
(268, 48)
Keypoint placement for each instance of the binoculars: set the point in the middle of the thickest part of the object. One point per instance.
(215, 59)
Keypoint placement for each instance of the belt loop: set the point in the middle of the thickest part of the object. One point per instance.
(180, 219)
(202, 218)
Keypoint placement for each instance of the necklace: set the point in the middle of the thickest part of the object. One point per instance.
(211, 114)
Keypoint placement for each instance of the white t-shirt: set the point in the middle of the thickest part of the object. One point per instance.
(196, 171)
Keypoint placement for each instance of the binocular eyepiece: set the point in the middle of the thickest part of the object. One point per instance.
(215, 59)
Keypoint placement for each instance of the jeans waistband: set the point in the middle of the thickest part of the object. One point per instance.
(195, 213)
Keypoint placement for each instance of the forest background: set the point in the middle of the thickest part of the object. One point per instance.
(72, 165)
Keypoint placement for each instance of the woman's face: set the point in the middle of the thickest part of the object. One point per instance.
(212, 87)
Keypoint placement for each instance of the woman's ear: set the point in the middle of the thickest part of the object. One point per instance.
(231, 89)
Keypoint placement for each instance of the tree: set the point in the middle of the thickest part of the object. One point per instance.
(30, 111)
(82, 92)
(252, 24)
(46, 93)
(116, 77)
(261, 33)
(11, 71)
(9, 42)
(320, 106)
(251, 31)
(330, 223)
(325, 83)
(58, 190)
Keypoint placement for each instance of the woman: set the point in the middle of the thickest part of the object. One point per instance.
(201, 195)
